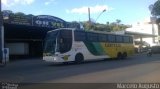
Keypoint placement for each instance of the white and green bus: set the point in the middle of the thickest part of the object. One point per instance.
(70, 44)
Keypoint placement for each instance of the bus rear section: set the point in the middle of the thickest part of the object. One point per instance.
(104, 45)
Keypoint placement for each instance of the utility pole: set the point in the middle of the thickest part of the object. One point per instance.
(89, 15)
(1, 26)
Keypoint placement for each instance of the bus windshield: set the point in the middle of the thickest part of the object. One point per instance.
(50, 42)
(58, 41)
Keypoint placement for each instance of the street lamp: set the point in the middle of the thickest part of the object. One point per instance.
(97, 17)
(100, 14)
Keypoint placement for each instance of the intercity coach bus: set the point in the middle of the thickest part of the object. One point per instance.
(70, 44)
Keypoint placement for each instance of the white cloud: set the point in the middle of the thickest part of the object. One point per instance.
(93, 9)
(4, 2)
(9, 3)
(49, 2)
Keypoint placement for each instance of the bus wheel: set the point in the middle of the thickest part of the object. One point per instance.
(79, 58)
(65, 63)
(124, 55)
(119, 56)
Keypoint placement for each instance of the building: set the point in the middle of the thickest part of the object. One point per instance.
(24, 34)
(145, 33)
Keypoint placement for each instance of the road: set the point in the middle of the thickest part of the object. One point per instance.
(138, 68)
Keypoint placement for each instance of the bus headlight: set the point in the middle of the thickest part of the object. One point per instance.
(44, 54)
(56, 54)
(65, 57)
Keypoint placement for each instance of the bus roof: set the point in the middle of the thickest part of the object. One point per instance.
(104, 32)
(101, 32)
(61, 29)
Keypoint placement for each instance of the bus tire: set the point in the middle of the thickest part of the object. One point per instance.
(124, 55)
(79, 58)
(119, 55)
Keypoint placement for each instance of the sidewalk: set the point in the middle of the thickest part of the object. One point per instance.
(2, 64)
(21, 62)
(38, 61)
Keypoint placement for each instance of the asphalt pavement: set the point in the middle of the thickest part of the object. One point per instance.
(137, 68)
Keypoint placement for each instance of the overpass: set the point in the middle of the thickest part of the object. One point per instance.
(137, 35)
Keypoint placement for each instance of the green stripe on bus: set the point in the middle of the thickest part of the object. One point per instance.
(99, 48)
(95, 48)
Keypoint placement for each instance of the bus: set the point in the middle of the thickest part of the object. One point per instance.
(74, 45)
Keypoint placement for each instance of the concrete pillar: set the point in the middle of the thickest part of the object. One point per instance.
(140, 46)
(1, 27)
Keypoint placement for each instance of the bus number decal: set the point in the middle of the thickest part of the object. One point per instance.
(112, 45)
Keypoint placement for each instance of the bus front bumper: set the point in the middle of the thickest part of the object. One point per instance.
(53, 59)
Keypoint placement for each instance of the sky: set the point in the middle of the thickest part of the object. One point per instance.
(128, 11)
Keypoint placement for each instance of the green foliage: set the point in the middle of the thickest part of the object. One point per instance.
(118, 21)
(155, 11)
(156, 8)
(102, 27)
(108, 27)
(19, 14)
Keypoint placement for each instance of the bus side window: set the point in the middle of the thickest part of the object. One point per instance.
(130, 40)
(93, 37)
(79, 36)
(111, 38)
(119, 39)
(102, 38)
(107, 38)
(126, 39)
(65, 41)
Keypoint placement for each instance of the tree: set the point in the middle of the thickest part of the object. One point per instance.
(108, 27)
(7, 11)
(6, 14)
(155, 9)
(118, 21)
(20, 13)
